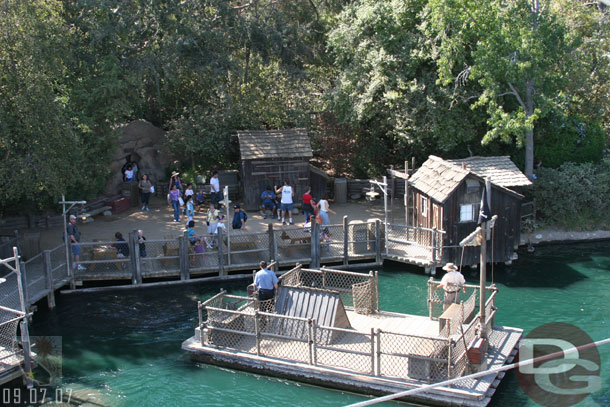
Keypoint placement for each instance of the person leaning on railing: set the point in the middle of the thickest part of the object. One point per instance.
(266, 281)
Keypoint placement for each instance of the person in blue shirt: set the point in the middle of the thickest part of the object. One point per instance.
(266, 281)
(122, 248)
(239, 218)
(268, 202)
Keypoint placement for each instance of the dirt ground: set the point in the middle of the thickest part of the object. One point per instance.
(158, 222)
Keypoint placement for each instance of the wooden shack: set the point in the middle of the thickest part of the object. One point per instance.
(446, 195)
(268, 157)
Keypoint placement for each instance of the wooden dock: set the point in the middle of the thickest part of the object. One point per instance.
(378, 353)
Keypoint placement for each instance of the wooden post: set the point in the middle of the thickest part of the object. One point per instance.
(221, 268)
(315, 245)
(406, 197)
(377, 290)
(378, 337)
(134, 258)
(310, 341)
(434, 242)
(430, 306)
(272, 245)
(183, 256)
(257, 332)
(48, 270)
(378, 241)
(314, 347)
(24, 284)
(483, 266)
(449, 353)
(345, 240)
(27, 356)
(372, 372)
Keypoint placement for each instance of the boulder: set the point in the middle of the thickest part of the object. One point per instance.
(142, 142)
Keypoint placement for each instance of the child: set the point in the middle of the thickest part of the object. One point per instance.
(189, 208)
(200, 201)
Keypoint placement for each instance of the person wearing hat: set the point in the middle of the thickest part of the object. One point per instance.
(451, 282)
(239, 218)
(74, 236)
(175, 180)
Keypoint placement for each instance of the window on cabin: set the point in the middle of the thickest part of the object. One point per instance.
(424, 206)
(469, 212)
(472, 186)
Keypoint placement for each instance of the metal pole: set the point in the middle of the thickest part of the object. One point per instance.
(483, 267)
(20, 286)
(67, 244)
(385, 209)
(406, 198)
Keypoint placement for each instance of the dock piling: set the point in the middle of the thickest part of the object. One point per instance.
(345, 241)
(48, 270)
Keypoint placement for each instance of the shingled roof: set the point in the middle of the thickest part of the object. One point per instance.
(438, 178)
(266, 144)
(500, 170)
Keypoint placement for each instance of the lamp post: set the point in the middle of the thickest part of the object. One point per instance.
(64, 211)
(383, 186)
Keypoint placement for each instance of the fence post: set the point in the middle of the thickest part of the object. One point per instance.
(345, 240)
(48, 270)
(449, 357)
(24, 284)
(315, 245)
(27, 349)
(183, 257)
(221, 267)
(272, 245)
(314, 348)
(430, 306)
(434, 242)
(310, 341)
(377, 290)
(372, 351)
(257, 332)
(377, 241)
(134, 258)
(378, 337)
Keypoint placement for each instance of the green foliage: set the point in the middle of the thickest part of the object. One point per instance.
(574, 196)
(568, 139)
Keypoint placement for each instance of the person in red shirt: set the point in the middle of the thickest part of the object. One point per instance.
(307, 207)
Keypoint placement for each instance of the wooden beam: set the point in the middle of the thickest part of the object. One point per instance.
(397, 174)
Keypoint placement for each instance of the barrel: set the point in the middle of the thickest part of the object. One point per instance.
(340, 190)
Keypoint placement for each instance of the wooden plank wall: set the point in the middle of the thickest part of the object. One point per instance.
(257, 174)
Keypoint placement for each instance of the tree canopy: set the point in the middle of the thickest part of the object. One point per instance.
(376, 82)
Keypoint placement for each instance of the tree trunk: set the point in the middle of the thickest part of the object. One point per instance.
(529, 134)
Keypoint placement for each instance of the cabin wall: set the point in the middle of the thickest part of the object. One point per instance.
(257, 174)
(506, 232)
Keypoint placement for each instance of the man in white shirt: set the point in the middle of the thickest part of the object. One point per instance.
(286, 204)
(215, 192)
(452, 282)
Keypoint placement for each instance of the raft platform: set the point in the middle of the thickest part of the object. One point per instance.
(325, 328)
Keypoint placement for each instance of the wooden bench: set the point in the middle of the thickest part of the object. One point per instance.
(295, 241)
(452, 316)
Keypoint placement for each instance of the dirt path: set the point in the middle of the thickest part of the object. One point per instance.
(158, 222)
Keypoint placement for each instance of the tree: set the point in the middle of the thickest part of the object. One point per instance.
(519, 53)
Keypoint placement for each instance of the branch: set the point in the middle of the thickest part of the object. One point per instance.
(514, 92)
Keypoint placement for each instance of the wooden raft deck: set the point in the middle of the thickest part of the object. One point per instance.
(354, 372)
(10, 365)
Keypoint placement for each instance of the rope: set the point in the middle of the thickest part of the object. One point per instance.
(462, 258)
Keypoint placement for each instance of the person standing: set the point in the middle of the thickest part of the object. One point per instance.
(287, 202)
(175, 181)
(74, 235)
(212, 218)
(129, 174)
(451, 282)
(324, 208)
(307, 208)
(189, 207)
(266, 281)
(145, 185)
(174, 198)
(215, 192)
(141, 243)
(122, 247)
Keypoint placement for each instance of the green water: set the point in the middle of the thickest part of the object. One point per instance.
(126, 345)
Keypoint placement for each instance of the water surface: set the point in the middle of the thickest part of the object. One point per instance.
(126, 345)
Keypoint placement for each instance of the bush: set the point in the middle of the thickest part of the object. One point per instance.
(574, 196)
